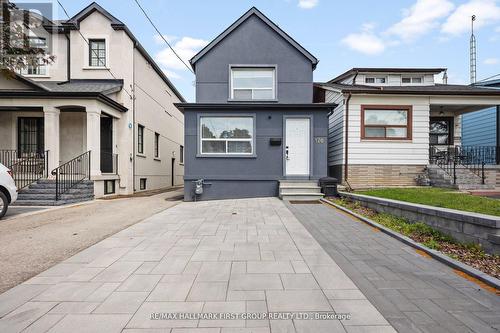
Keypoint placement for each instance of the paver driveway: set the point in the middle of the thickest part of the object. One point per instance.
(211, 257)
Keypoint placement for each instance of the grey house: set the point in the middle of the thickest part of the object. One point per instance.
(254, 130)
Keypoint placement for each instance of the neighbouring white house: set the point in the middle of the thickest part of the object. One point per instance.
(102, 110)
(393, 126)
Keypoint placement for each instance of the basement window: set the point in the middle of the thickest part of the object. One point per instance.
(142, 184)
(109, 187)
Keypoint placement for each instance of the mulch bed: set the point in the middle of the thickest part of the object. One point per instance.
(469, 254)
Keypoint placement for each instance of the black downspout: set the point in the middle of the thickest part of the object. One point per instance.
(68, 55)
(133, 117)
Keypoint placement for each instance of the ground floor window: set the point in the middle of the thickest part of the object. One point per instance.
(181, 155)
(386, 122)
(109, 187)
(227, 135)
(157, 145)
(142, 183)
(441, 131)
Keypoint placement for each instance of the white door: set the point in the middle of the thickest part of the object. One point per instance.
(297, 140)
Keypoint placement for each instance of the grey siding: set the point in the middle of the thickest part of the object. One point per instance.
(250, 176)
(254, 43)
(480, 128)
(335, 129)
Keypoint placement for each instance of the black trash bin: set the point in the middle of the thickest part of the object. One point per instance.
(329, 186)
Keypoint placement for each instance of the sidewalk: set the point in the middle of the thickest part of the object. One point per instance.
(230, 256)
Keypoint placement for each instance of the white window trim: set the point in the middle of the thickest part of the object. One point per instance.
(274, 69)
(375, 77)
(252, 140)
(86, 50)
(411, 77)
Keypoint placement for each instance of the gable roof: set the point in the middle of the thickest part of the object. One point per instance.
(74, 24)
(355, 70)
(238, 22)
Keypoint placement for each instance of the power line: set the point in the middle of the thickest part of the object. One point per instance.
(162, 37)
(110, 72)
(94, 51)
(491, 77)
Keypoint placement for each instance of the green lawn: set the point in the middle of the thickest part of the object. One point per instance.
(439, 198)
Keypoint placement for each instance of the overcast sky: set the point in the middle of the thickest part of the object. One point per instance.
(341, 34)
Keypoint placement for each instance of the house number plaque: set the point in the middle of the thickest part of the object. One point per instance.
(321, 140)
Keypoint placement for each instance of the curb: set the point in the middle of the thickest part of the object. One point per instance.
(483, 277)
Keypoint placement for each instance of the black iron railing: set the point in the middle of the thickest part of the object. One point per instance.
(71, 173)
(9, 157)
(29, 169)
(474, 158)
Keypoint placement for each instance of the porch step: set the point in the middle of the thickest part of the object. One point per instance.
(466, 179)
(299, 190)
(43, 193)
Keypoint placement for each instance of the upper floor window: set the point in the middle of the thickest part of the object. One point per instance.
(253, 83)
(386, 122)
(411, 79)
(97, 53)
(36, 67)
(375, 80)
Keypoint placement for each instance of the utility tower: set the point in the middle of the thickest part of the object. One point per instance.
(472, 52)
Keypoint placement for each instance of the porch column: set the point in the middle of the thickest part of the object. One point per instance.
(94, 141)
(51, 136)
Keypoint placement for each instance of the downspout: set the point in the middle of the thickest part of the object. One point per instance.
(133, 117)
(346, 158)
(68, 55)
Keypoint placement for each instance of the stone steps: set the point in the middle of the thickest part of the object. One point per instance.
(43, 193)
(466, 179)
(299, 190)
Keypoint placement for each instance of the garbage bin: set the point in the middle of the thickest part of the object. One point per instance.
(329, 186)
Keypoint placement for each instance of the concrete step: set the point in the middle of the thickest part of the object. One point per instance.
(30, 190)
(51, 196)
(475, 187)
(301, 196)
(299, 189)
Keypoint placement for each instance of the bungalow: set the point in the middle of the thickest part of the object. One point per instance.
(394, 126)
(254, 130)
(99, 120)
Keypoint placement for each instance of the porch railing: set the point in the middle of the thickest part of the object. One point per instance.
(29, 169)
(71, 173)
(473, 158)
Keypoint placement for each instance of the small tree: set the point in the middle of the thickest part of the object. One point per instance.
(17, 51)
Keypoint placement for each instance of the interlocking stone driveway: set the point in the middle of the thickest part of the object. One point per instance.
(414, 293)
(218, 256)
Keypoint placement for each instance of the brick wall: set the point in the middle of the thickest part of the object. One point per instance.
(363, 176)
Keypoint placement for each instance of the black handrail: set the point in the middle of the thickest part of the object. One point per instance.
(473, 158)
(29, 169)
(71, 173)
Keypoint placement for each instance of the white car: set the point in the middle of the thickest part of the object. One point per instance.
(8, 189)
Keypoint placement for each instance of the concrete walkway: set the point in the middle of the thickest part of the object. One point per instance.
(414, 293)
(216, 257)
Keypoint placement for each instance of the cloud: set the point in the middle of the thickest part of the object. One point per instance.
(159, 40)
(308, 4)
(365, 41)
(491, 61)
(486, 11)
(185, 47)
(420, 18)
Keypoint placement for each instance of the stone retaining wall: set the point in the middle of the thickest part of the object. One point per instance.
(463, 226)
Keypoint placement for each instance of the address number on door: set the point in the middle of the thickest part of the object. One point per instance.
(319, 140)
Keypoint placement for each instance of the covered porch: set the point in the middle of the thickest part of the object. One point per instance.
(69, 139)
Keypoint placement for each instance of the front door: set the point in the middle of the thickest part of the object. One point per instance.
(30, 135)
(297, 149)
(107, 145)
